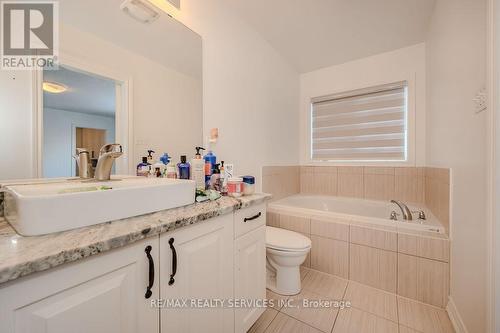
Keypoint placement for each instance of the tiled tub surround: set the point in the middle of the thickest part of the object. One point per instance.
(282, 181)
(420, 185)
(411, 264)
(20, 256)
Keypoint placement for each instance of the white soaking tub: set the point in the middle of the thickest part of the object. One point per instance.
(355, 211)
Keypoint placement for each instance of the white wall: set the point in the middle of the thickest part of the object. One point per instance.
(59, 140)
(250, 93)
(398, 65)
(16, 137)
(456, 61)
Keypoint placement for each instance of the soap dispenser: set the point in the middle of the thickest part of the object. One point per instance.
(143, 168)
(198, 169)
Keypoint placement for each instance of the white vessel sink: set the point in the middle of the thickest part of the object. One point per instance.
(37, 209)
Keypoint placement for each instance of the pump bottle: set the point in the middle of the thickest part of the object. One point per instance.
(198, 169)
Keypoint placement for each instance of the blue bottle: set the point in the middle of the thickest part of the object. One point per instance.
(184, 168)
(210, 160)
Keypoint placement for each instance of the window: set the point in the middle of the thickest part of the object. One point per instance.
(362, 125)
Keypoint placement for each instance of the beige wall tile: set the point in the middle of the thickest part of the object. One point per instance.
(330, 256)
(376, 301)
(325, 183)
(409, 184)
(423, 318)
(294, 223)
(281, 181)
(379, 186)
(380, 239)
(373, 267)
(333, 230)
(306, 182)
(433, 282)
(351, 170)
(307, 262)
(433, 248)
(273, 219)
(423, 279)
(437, 193)
(427, 247)
(407, 276)
(407, 244)
(352, 320)
(350, 182)
(389, 171)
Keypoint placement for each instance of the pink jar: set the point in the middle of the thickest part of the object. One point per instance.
(235, 187)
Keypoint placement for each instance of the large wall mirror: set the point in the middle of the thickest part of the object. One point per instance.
(120, 80)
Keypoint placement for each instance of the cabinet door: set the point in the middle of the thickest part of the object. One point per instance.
(204, 257)
(100, 294)
(249, 276)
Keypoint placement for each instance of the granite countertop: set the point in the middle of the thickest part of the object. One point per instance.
(20, 256)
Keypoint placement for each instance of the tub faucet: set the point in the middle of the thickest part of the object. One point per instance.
(107, 156)
(404, 210)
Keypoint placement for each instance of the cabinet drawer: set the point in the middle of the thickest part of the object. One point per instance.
(248, 219)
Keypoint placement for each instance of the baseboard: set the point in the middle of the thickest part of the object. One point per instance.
(456, 319)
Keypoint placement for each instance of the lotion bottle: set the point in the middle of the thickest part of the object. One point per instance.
(198, 169)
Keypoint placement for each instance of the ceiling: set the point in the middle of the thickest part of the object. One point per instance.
(164, 41)
(313, 34)
(86, 93)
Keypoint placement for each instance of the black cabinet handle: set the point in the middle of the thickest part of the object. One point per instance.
(151, 272)
(252, 218)
(174, 262)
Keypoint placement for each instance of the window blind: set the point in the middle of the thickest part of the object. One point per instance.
(361, 125)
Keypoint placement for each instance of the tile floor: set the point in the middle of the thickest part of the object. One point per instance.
(372, 310)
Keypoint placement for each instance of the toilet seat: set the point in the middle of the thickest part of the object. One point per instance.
(286, 240)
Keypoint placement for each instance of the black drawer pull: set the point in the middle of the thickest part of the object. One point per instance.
(149, 293)
(253, 217)
(174, 262)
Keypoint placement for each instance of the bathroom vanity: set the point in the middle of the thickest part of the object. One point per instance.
(171, 271)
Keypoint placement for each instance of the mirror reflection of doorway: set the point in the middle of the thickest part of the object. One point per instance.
(79, 111)
(91, 139)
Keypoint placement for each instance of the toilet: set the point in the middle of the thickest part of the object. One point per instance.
(285, 252)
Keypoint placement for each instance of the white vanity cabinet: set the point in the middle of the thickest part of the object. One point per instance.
(140, 288)
(103, 293)
(249, 264)
(197, 264)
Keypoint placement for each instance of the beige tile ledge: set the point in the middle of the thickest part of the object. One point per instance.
(20, 256)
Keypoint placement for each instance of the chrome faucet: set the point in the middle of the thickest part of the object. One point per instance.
(82, 158)
(404, 210)
(107, 156)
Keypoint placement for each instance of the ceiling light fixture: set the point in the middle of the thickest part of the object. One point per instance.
(53, 87)
(141, 10)
(170, 7)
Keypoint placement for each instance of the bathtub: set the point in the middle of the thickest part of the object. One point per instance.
(354, 211)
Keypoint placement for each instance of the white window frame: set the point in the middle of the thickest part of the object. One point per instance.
(411, 127)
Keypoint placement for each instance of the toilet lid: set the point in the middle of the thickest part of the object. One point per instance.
(286, 240)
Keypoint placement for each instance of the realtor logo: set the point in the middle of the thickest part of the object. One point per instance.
(30, 34)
